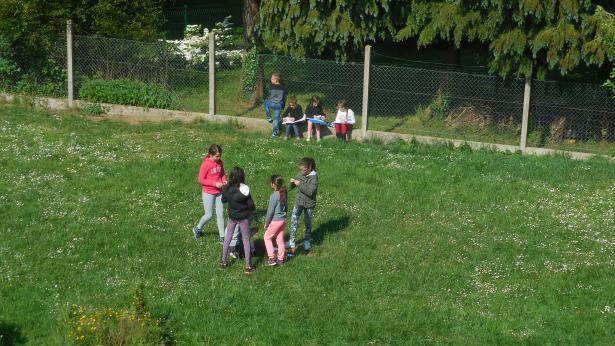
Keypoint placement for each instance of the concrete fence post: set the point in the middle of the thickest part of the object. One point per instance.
(212, 73)
(365, 107)
(69, 62)
(526, 111)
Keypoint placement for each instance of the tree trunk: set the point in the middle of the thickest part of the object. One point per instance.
(250, 34)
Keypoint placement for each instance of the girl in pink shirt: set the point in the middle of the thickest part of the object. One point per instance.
(212, 179)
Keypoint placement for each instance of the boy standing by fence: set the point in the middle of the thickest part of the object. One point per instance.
(277, 96)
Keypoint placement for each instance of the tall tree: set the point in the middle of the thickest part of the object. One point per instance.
(521, 34)
(336, 27)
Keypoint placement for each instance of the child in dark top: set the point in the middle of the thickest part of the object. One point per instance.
(314, 111)
(292, 116)
(277, 97)
(240, 210)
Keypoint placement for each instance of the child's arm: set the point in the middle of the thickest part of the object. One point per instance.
(350, 119)
(308, 186)
(273, 201)
(250, 203)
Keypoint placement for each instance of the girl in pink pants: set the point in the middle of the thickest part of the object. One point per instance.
(275, 220)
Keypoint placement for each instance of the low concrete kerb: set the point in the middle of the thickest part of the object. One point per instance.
(154, 114)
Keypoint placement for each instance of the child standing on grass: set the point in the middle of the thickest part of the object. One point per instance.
(240, 210)
(292, 115)
(277, 96)
(314, 111)
(212, 179)
(275, 220)
(344, 121)
(306, 182)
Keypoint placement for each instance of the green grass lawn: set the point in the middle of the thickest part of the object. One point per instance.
(413, 244)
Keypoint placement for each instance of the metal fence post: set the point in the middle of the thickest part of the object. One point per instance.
(366, 68)
(212, 73)
(69, 61)
(526, 111)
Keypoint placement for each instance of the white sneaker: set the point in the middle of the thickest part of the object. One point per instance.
(306, 245)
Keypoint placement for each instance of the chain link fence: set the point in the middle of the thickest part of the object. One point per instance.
(411, 100)
(48, 79)
(575, 116)
(445, 104)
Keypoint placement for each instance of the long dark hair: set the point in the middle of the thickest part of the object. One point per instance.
(278, 182)
(308, 162)
(237, 177)
(214, 149)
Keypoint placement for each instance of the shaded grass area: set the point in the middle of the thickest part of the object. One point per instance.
(413, 244)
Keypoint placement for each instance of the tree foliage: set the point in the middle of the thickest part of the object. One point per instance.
(521, 34)
(311, 28)
(32, 26)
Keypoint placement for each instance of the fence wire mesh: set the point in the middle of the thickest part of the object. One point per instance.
(48, 79)
(158, 63)
(329, 80)
(565, 114)
(445, 103)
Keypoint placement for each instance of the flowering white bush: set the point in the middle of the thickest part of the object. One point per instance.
(194, 47)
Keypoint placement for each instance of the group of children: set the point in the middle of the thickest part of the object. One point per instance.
(314, 114)
(218, 189)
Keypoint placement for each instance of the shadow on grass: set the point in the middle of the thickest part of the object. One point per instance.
(328, 228)
(10, 335)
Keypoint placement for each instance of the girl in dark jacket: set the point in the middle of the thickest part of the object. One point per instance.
(240, 210)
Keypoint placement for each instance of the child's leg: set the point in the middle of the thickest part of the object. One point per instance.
(307, 218)
(230, 227)
(287, 132)
(293, 224)
(309, 130)
(297, 131)
(245, 238)
(208, 205)
(270, 234)
(267, 106)
(220, 215)
(343, 129)
(275, 131)
(317, 131)
(348, 132)
(338, 131)
(280, 240)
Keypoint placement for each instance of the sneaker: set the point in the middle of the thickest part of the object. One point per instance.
(249, 270)
(223, 264)
(306, 245)
(271, 262)
(269, 120)
(285, 138)
(197, 232)
(291, 252)
(308, 139)
(234, 254)
(221, 240)
(280, 261)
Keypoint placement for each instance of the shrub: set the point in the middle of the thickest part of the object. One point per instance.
(250, 72)
(127, 92)
(94, 109)
(438, 108)
(109, 326)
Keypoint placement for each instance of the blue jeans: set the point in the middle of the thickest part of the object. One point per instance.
(295, 128)
(277, 109)
(307, 218)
